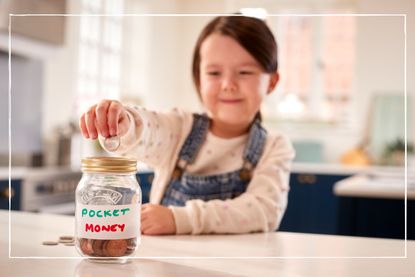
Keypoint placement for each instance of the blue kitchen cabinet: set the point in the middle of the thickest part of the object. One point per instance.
(145, 180)
(312, 205)
(15, 191)
(376, 217)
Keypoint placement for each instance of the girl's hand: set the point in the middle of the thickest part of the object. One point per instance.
(157, 220)
(107, 118)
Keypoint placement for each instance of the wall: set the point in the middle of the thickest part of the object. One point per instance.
(26, 95)
(156, 67)
(59, 86)
(395, 54)
(380, 70)
(379, 62)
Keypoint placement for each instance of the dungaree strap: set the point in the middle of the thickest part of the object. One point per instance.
(195, 139)
(253, 150)
(256, 143)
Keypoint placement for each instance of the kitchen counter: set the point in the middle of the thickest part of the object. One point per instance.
(260, 254)
(381, 185)
(24, 172)
(340, 169)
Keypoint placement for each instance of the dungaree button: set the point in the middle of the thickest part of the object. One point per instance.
(245, 175)
(177, 173)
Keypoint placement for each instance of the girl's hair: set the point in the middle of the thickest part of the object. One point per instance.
(251, 33)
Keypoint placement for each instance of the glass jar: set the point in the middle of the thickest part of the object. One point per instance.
(108, 206)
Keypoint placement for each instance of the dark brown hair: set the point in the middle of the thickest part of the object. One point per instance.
(251, 33)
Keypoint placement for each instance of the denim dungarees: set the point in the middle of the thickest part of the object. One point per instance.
(184, 186)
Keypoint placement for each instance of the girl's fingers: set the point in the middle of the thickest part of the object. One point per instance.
(101, 112)
(90, 123)
(114, 112)
(144, 216)
(145, 227)
(146, 212)
(82, 126)
(123, 124)
(150, 231)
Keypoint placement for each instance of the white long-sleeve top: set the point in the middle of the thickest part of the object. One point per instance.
(156, 139)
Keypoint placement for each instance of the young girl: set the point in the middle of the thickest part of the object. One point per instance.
(218, 172)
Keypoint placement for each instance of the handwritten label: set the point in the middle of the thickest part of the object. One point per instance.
(107, 221)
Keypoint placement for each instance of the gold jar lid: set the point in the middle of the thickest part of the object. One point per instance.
(108, 164)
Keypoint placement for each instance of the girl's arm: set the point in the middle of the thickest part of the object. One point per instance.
(154, 137)
(260, 208)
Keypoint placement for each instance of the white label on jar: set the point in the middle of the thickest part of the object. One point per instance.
(107, 221)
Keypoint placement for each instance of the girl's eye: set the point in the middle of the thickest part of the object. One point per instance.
(213, 73)
(245, 72)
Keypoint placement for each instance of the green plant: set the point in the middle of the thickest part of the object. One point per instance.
(398, 145)
(394, 152)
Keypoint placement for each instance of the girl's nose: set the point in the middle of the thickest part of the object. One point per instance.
(229, 83)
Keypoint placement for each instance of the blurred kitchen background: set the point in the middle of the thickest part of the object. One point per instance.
(340, 99)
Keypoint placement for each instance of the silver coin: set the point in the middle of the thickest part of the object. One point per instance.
(50, 243)
(66, 240)
(66, 237)
(112, 143)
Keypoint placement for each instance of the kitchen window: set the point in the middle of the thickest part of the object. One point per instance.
(316, 64)
(99, 59)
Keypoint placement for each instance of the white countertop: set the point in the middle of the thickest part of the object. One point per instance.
(23, 172)
(199, 255)
(381, 185)
(340, 169)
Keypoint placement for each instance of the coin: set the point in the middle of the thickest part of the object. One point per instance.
(66, 238)
(50, 243)
(112, 143)
(69, 244)
(116, 248)
(104, 249)
(132, 243)
(97, 247)
(86, 246)
(131, 246)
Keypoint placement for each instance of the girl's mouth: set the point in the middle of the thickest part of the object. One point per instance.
(230, 101)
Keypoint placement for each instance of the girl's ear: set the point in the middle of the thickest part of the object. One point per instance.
(275, 77)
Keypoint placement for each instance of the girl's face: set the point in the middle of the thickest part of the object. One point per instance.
(232, 82)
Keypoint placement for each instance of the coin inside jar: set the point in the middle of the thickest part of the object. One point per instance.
(107, 248)
(86, 246)
(116, 248)
(112, 143)
(97, 247)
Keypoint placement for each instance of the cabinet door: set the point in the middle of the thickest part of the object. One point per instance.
(5, 192)
(376, 217)
(312, 205)
(145, 180)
